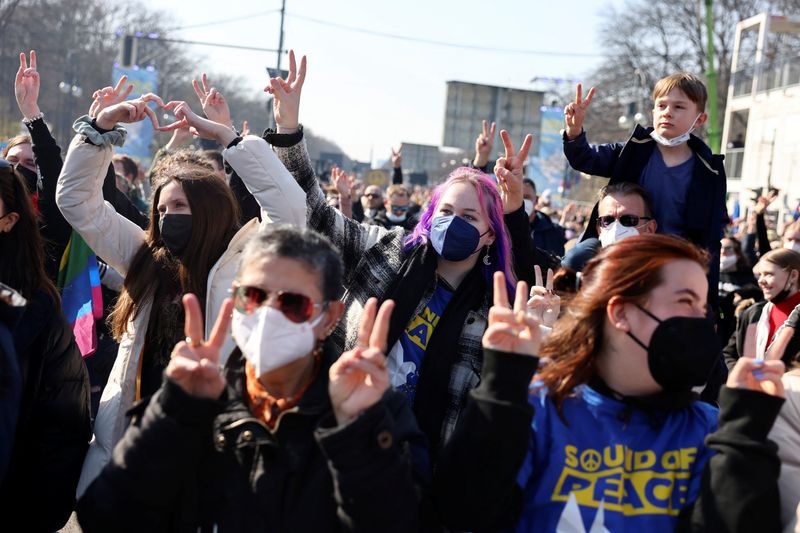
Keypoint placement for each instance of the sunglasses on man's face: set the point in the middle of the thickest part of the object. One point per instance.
(629, 221)
(372, 195)
(295, 306)
(399, 208)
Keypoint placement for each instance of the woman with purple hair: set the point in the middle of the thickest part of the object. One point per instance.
(439, 275)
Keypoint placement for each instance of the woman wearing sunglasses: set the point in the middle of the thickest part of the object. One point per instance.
(192, 244)
(609, 436)
(261, 446)
(439, 275)
(54, 424)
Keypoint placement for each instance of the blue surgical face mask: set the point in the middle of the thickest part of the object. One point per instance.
(454, 238)
(675, 141)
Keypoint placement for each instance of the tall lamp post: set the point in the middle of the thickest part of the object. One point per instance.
(711, 76)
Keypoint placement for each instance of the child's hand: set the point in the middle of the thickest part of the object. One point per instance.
(575, 112)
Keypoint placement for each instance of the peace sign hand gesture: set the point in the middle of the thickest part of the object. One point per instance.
(359, 378)
(575, 112)
(544, 305)
(194, 366)
(214, 105)
(511, 330)
(26, 86)
(509, 172)
(108, 96)
(286, 94)
(484, 144)
(397, 158)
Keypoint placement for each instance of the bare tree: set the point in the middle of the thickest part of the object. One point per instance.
(660, 37)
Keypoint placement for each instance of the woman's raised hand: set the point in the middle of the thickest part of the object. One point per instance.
(544, 305)
(214, 105)
(26, 86)
(340, 180)
(286, 94)
(359, 378)
(108, 96)
(509, 172)
(129, 111)
(759, 376)
(199, 126)
(194, 365)
(483, 144)
(511, 330)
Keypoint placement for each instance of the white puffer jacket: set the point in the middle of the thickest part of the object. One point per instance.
(116, 240)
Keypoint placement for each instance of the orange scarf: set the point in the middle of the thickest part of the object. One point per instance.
(265, 406)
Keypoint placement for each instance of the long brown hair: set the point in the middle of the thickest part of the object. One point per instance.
(629, 269)
(215, 216)
(22, 248)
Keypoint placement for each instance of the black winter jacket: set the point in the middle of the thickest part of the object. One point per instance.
(54, 425)
(187, 464)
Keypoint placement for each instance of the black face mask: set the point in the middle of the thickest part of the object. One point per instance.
(31, 177)
(176, 230)
(682, 351)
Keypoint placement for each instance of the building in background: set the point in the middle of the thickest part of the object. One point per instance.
(515, 110)
(760, 134)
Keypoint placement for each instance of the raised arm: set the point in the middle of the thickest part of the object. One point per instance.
(598, 160)
(739, 486)
(79, 193)
(280, 198)
(498, 416)
(47, 156)
(397, 167)
(351, 238)
(483, 146)
(509, 172)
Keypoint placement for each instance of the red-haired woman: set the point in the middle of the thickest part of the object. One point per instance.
(609, 436)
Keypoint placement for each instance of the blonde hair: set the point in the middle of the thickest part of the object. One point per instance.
(689, 84)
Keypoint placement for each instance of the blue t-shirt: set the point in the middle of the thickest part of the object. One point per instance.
(405, 358)
(669, 187)
(610, 466)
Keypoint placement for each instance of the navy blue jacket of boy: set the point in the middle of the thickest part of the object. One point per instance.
(706, 212)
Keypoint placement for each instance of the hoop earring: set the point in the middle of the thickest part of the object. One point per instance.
(486, 259)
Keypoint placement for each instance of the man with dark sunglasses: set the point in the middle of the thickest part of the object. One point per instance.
(625, 210)
(397, 210)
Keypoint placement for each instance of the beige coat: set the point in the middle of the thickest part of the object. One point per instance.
(116, 240)
(786, 433)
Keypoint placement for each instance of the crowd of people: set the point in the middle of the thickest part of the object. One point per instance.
(278, 353)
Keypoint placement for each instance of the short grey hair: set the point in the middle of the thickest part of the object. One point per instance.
(304, 245)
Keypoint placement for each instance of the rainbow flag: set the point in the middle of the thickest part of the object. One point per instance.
(81, 297)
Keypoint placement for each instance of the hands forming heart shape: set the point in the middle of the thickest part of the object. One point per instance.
(135, 110)
(137, 106)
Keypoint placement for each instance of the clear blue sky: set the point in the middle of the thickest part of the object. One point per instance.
(368, 93)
